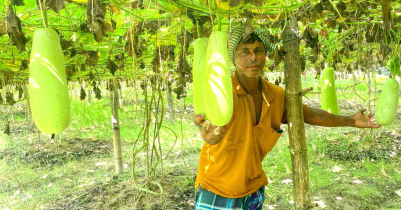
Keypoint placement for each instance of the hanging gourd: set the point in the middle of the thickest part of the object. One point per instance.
(49, 99)
(329, 100)
(218, 93)
(387, 104)
(198, 73)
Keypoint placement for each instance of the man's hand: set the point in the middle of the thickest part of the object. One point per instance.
(210, 133)
(365, 121)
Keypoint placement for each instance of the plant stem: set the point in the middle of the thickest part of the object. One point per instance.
(198, 30)
(219, 22)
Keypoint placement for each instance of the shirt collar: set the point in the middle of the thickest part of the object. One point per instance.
(266, 87)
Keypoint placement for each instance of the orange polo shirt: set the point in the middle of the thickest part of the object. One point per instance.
(233, 167)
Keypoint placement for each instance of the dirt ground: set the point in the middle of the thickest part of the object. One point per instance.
(120, 193)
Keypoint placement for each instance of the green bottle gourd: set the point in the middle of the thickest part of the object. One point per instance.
(329, 100)
(387, 104)
(48, 92)
(218, 93)
(198, 73)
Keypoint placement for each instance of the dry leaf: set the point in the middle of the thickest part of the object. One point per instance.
(17, 2)
(55, 5)
(248, 29)
(3, 29)
(92, 57)
(14, 30)
(111, 66)
(95, 19)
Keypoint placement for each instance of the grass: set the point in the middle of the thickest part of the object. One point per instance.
(76, 170)
(331, 179)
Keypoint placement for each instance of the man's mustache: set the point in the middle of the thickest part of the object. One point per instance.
(252, 64)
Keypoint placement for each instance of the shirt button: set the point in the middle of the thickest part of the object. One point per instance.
(253, 118)
(249, 99)
(251, 108)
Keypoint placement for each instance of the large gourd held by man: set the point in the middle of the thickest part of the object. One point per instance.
(218, 91)
(49, 99)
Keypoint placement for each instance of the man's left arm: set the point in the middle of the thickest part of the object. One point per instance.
(320, 117)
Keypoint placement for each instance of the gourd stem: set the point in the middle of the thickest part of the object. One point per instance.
(45, 21)
(219, 22)
(198, 30)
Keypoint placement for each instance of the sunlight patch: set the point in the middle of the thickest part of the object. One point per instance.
(206, 168)
(101, 163)
(2, 142)
(83, 185)
(16, 193)
(398, 192)
(320, 204)
(286, 181)
(34, 84)
(270, 206)
(357, 182)
(336, 169)
(125, 166)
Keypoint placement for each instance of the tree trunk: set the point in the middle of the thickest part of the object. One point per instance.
(296, 130)
(170, 103)
(116, 127)
(386, 14)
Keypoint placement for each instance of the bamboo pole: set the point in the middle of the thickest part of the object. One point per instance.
(89, 95)
(116, 128)
(296, 130)
(28, 104)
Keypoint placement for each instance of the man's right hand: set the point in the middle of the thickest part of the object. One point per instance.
(210, 133)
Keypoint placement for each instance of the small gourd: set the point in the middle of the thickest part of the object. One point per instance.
(329, 100)
(387, 104)
(198, 73)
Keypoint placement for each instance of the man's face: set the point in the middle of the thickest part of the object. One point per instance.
(250, 59)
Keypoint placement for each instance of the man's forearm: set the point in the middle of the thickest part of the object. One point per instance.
(320, 117)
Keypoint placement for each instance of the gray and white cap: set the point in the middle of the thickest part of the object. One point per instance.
(236, 35)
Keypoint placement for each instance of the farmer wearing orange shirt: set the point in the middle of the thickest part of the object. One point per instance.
(230, 174)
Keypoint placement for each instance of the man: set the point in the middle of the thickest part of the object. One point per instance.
(230, 174)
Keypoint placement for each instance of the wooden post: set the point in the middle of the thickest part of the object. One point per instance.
(113, 90)
(120, 101)
(296, 130)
